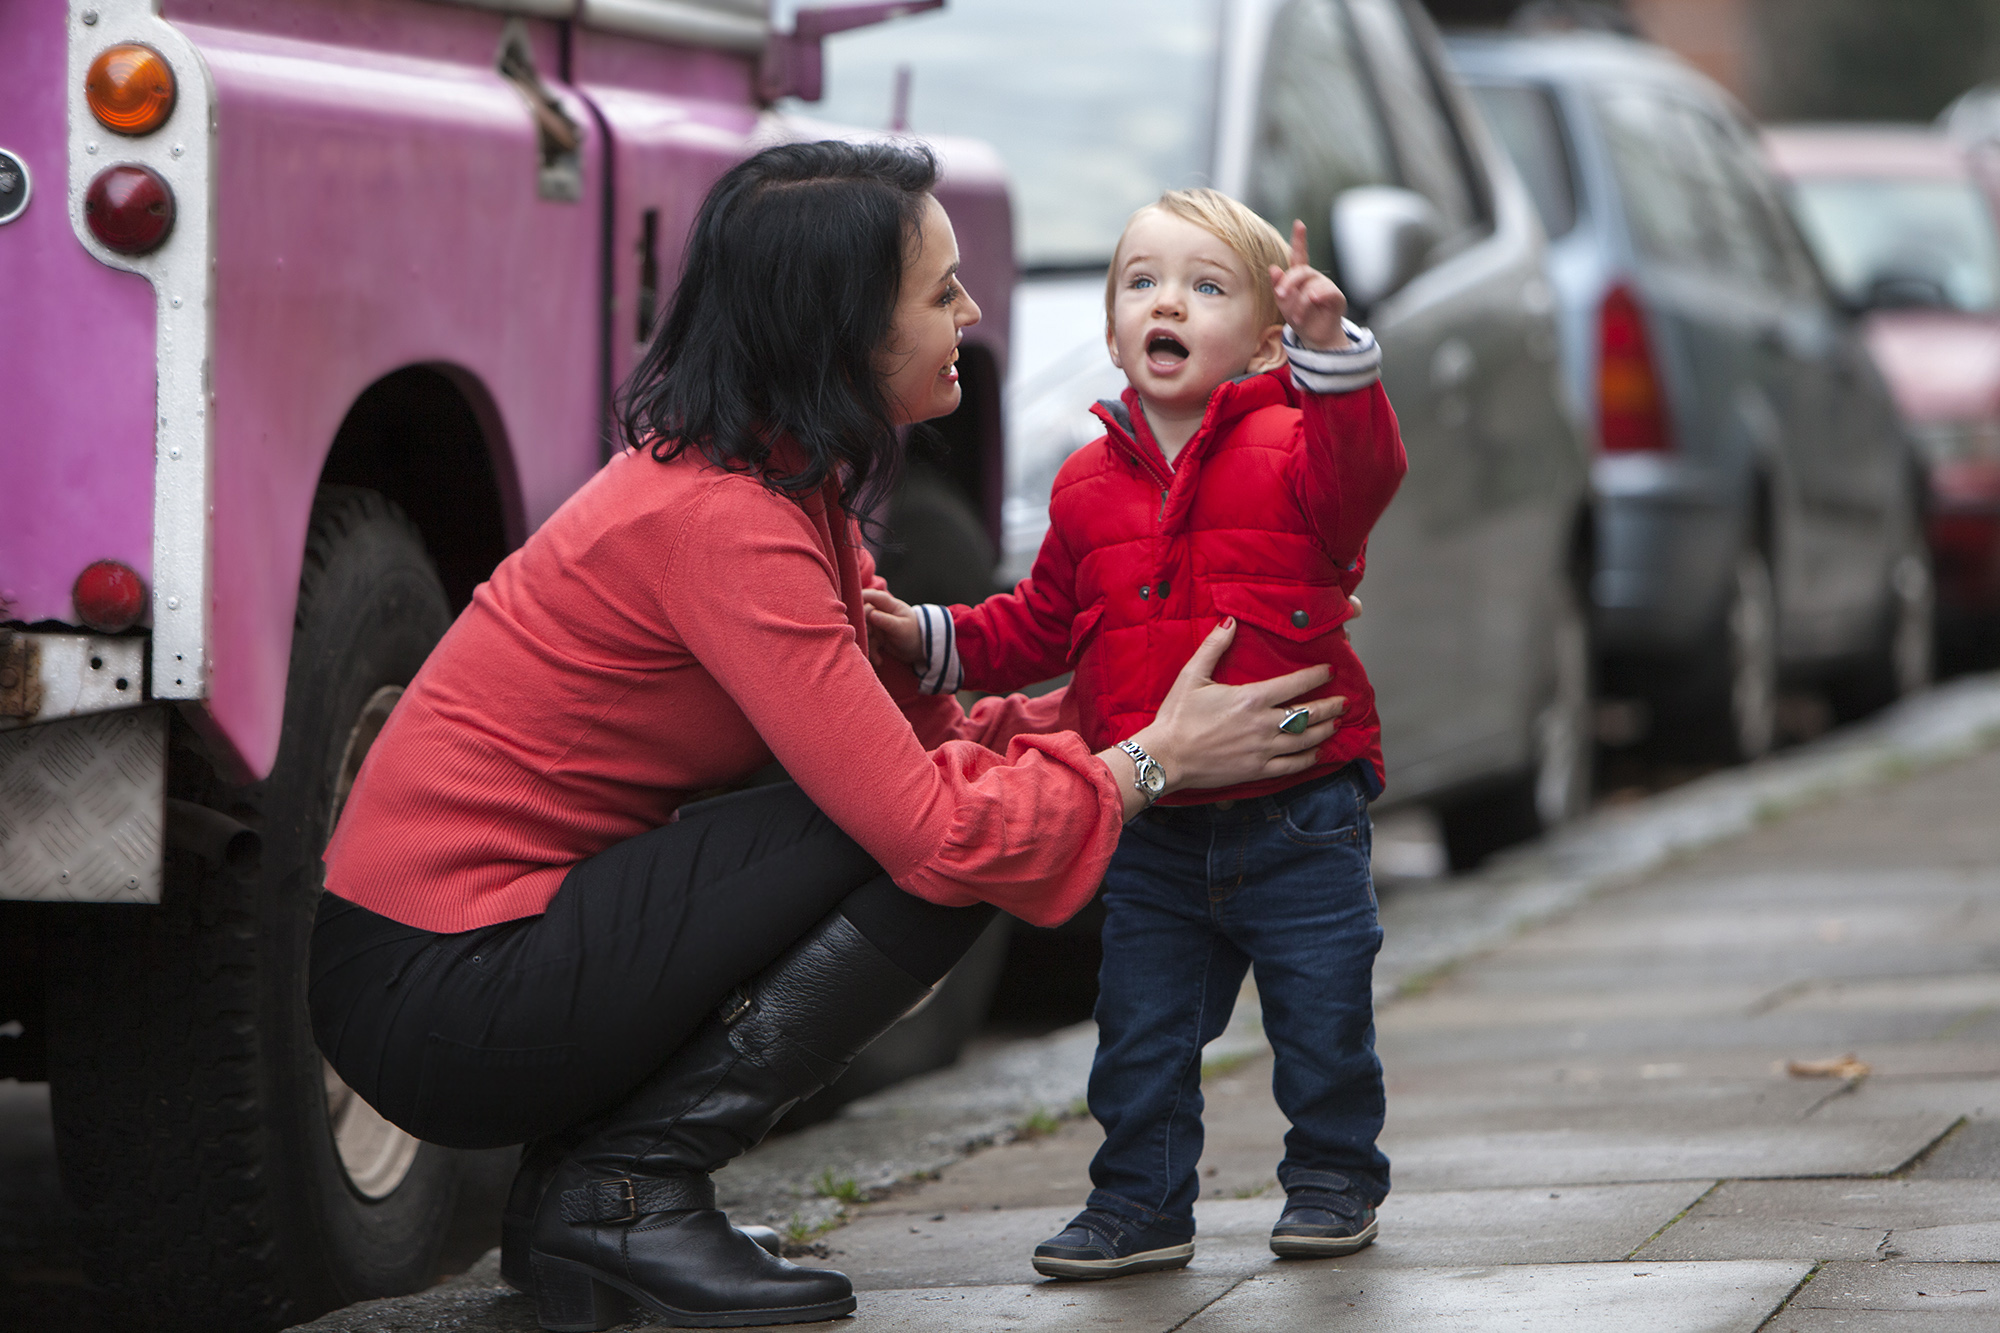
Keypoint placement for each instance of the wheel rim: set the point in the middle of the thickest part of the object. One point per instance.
(375, 1154)
(1563, 738)
(1753, 686)
(1913, 647)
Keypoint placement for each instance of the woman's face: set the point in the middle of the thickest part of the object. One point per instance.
(919, 361)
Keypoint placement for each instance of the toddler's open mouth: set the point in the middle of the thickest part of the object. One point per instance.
(1165, 352)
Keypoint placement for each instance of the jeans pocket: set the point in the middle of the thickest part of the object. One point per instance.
(1333, 814)
(490, 1096)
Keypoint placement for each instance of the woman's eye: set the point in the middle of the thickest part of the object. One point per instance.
(950, 295)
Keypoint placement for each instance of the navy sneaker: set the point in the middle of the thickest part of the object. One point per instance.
(1323, 1218)
(1099, 1244)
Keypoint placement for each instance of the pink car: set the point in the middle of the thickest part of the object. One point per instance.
(1902, 222)
(313, 310)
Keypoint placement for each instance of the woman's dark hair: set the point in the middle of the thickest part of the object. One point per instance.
(789, 286)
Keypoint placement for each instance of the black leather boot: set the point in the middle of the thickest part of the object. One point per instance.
(629, 1217)
(539, 1161)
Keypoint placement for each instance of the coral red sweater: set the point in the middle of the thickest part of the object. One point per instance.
(672, 629)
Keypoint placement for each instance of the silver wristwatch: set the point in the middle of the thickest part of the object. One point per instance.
(1152, 779)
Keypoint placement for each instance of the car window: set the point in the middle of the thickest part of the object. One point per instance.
(1658, 179)
(1868, 230)
(1428, 151)
(1528, 125)
(1317, 128)
(1743, 232)
(1095, 107)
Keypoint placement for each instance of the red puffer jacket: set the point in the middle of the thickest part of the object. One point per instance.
(1264, 516)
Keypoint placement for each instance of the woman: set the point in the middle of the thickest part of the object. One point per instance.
(525, 938)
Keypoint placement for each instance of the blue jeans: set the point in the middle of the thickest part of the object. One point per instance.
(1194, 897)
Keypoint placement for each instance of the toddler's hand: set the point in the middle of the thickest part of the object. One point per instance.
(892, 627)
(1307, 298)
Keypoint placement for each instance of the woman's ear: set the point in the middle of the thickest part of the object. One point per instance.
(1270, 352)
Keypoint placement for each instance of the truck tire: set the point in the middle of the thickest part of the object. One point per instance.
(195, 1120)
(1557, 787)
(939, 549)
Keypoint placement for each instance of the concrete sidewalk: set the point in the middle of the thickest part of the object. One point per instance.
(1591, 1120)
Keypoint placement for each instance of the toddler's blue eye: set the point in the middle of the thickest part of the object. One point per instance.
(1140, 284)
(1208, 289)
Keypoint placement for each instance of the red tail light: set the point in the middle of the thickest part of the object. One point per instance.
(109, 597)
(129, 208)
(1632, 413)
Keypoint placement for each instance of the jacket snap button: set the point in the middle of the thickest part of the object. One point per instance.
(1301, 619)
(1144, 591)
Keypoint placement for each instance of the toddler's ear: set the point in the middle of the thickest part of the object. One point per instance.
(1270, 353)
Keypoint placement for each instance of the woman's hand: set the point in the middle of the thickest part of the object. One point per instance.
(1210, 735)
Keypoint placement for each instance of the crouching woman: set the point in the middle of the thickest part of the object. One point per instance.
(527, 939)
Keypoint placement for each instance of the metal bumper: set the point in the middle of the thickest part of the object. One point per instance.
(83, 771)
(1666, 542)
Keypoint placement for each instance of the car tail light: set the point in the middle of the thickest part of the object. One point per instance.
(130, 88)
(129, 208)
(109, 596)
(1632, 413)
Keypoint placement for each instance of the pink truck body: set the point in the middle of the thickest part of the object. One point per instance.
(371, 206)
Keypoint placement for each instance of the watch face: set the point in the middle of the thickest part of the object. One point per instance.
(1153, 778)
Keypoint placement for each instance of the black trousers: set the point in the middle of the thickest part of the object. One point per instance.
(506, 1033)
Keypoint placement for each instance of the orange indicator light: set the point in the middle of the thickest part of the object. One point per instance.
(130, 88)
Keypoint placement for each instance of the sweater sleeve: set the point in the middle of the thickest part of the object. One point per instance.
(1013, 638)
(1353, 459)
(1029, 831)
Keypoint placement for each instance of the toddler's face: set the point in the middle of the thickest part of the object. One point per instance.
(1184, 315)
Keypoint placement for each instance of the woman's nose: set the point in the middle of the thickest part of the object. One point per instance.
(968, 310)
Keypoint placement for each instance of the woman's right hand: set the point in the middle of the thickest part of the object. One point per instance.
(1210, 735)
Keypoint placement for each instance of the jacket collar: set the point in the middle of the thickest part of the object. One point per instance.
(1125, 423)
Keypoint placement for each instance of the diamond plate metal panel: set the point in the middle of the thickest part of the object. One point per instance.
(82, 809)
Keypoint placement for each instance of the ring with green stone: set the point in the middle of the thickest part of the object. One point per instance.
(1296, 721)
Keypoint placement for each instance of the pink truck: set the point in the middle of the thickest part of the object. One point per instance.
(313, 310)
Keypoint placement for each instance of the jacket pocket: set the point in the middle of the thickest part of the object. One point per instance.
(1297, 611)
(1082, 630)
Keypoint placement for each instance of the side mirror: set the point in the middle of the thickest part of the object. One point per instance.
(793, 65)
(1382, 235)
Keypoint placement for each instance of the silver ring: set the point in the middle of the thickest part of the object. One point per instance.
(1296, 721)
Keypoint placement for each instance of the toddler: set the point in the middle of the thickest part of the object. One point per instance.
(1237, 478)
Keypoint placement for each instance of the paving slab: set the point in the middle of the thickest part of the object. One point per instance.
(1944, 1220)
(1544, 1298)
(1970, 1152)
(1892, 1298)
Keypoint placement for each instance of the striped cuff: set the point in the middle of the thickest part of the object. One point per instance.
(939, 672)
(1341, 370)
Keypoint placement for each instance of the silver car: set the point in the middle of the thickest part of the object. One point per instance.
(1339, 112)
(1759, 511)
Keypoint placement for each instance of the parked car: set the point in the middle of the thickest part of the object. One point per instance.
(1902, 222)
(1759, 512)
(1339, 112)
(314, 311)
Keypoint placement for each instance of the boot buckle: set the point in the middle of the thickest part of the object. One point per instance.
(623, 1197)
(734, 1007)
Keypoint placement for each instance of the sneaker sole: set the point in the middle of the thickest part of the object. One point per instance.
(1090, 1270)
(1322, 1247)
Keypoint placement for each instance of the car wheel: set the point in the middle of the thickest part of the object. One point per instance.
(1557, 788)
(225, 1177)
(1722, 705)
(1902, 660)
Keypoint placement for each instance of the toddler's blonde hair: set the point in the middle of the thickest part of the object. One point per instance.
(1255, 241)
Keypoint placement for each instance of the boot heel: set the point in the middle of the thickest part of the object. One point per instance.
(569, 1299)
